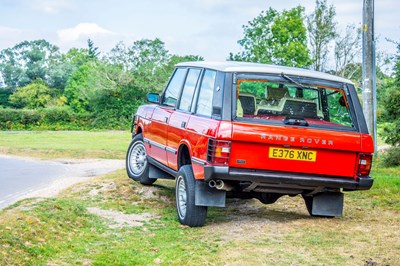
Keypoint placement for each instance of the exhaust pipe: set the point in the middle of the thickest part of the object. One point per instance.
(212, 183)
(221, 185)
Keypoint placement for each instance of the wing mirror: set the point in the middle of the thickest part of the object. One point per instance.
(153, 98)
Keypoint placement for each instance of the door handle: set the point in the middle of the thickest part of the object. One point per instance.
(166, 119)
(183, 124)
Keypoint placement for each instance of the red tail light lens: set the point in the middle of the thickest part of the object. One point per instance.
(364, 164)
(218, 151)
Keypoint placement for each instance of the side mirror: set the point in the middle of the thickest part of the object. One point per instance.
(153, 98)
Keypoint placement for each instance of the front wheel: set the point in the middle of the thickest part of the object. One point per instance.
(137, 166)
(188, 213)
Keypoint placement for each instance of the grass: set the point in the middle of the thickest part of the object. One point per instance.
(65, 144)
(62, 230)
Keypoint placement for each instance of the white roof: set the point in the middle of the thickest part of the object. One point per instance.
(245, 67)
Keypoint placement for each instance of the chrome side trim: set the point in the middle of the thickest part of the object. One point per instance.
(198, 161)
(160, 146)
(171, 150)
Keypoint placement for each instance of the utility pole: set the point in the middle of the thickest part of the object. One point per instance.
(368, 68)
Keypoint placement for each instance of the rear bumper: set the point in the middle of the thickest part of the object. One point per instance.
(285, 179)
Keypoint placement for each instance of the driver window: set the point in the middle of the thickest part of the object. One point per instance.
(174, 87)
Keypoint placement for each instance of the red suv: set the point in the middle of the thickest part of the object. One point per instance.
(245, 130)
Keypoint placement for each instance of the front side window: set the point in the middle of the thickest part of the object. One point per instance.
(174, 87)
(292, 103)
(188, 89)
(205, 97)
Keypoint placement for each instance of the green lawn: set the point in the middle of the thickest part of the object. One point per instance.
(64, 230)
(70, 144)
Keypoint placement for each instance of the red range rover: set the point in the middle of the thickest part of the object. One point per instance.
(246, 130)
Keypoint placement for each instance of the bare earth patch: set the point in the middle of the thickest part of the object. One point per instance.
(120, 219)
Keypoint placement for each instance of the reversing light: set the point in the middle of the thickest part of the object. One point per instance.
(218, 151)
(364, 164)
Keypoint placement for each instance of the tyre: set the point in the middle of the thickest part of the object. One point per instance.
(308, 200)
(188, 213)
(269, 198)
(137, 166)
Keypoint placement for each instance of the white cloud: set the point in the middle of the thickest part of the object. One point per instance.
(82, 30)
(10, 37)
(77, 37)
(6, 31)
(51, 6)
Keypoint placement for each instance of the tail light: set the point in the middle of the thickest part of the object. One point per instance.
(364, 164)
(218, 151)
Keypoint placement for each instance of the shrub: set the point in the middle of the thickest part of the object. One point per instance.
(52, 118)
(34, 95)
(391, 157)
(57, 114)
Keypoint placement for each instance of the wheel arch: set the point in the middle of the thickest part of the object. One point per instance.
(184, 155)
(139, 130)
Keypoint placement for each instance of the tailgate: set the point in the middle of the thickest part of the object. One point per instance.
(294, 149)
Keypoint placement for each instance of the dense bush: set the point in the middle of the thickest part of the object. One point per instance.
(52, 118)
(4, 95)
(391, 157)
(34, 95)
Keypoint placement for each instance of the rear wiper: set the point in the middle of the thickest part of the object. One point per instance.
(293, 81)
(295, 120)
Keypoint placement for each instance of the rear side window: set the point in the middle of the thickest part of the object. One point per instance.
(188, 89)
(174, 87)
(204, 103)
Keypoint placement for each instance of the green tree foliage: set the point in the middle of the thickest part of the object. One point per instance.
(4, 95)
(277, 38)
(148, 62)
(32, 96)
(321, 28)
(62, 66)
(347, 48)
(25, 62)
(76, 85)
(93, 52)
(391, 104)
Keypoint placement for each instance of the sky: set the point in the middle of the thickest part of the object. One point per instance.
(209, 28)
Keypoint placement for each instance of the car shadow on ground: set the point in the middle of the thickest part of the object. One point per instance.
(286, 209)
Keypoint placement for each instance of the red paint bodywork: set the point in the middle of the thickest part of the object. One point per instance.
(337, 152)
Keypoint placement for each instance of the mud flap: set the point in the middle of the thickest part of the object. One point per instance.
(328, 204)
(207, 196)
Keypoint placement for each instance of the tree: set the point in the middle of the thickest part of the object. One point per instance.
(347, 48)
(76, 86)
(321, 28)
(62, 66)
(146, 60)
(391, 104)
(93, 52)
(25, 62)
(277, 38)
(32, 96)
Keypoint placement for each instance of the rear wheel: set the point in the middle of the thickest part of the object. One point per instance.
(308, 200)
(188, 213)
(137, 166)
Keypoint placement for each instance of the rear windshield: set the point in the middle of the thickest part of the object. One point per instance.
(292, 103)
